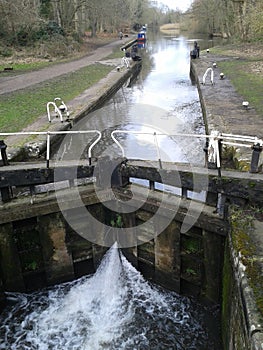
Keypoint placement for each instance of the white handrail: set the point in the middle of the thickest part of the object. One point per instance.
(215, 137)
(62, 107)
(74, 132)
(235, 144)
(49, 133)
(212, 76)
(57, 110)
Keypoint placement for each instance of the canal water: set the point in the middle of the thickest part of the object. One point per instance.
(162, 100)
(116, 308)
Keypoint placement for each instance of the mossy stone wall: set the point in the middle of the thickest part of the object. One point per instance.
(242, 318)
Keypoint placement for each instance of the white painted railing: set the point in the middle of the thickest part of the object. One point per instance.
(213, 141)
(48, 134)
(60, 111)
(213, 147)
(211, 77)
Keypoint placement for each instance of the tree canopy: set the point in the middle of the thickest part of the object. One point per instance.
(242, 19)
(25, 21)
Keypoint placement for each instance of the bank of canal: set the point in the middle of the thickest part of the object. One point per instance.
(224, 111)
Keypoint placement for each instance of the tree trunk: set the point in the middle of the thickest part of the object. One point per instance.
(94, 29)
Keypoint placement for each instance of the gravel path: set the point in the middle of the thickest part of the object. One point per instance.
(22, 81)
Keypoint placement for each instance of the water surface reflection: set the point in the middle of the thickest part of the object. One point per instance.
(162, 100)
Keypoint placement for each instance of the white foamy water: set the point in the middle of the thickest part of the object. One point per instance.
(114, 309)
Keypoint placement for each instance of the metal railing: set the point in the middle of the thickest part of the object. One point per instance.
(213, 144)
(212, 149)
(211, 77)
(48, 135)
(60, 111)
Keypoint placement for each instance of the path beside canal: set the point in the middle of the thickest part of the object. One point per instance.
(21, 147)
(222, 105)
(24, 80)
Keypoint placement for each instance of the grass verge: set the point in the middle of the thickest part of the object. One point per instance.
(244, 68)
(25, 67)
(19, 109)
(116, 53)
(246, 83)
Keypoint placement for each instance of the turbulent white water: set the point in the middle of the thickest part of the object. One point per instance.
(114, 309)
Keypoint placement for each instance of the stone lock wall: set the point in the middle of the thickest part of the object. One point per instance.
(44, 250)
(188, 263)
(242, 321)
(41, 251)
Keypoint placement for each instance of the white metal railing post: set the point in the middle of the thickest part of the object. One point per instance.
(117, 142)
(157, 149)
(48, 135)
(218, 156)
(57, 110)
(93, 144)
(212, 151)
(48, 149)
(212, 75)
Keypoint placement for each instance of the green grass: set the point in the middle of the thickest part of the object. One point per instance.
(19, 67)
(246, 83)
(19, 109)
(116, 53)
(24, 67)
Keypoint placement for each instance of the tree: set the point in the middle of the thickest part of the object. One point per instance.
(18, 16)
(255, 19)
(239, 18)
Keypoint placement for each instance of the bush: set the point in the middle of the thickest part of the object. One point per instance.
(23, 37)
(47, 30)
(52, 28)
(28, 35)
(5, 52)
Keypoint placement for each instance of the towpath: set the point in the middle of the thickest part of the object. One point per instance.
(224, 110)
(17, 82)
(18, 146)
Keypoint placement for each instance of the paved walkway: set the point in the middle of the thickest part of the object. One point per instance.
(78, 106)
(22, 81)
(223, 105)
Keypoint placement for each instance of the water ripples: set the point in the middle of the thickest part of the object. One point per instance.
(115, 309)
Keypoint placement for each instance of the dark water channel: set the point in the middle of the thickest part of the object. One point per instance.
(117, 308)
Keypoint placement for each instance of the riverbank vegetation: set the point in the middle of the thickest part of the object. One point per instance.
(47, 30)
(235, 19)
